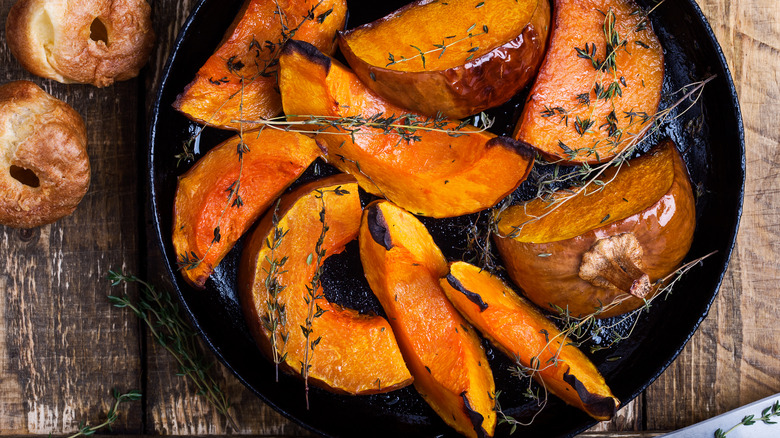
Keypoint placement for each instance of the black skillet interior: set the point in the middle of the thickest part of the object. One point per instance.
(710, 136)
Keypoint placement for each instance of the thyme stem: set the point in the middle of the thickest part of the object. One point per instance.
(593, 173)
(166, 326)
(404, 125)
(749, 420)
(111, 415)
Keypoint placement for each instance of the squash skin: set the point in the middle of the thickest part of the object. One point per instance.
(358, 354)
(438, 176)
(664, 229)
(564, 75)
(274, 161)
(403, 266)
(489, 78)
(214, 96)
(518, 329)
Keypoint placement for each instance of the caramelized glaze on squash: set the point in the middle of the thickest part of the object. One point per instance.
(648, 200)
(450, 57)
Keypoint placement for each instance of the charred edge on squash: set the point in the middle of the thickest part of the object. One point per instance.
(476, 418)
(308, 51)
(519, 147)
(474, 297)
(377, 227)
(322, 145)
(596, 405)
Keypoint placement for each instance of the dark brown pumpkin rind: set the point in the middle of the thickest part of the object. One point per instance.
(308, 51)
(377, 227)
(473, 297)
(596, 405)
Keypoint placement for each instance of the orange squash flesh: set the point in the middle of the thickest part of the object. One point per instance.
(650, 199)
(571, 114)
(245, 56)
(274, 160)
(450, 369)
(523, 333)
(450, 57)
(357, 354)
(439, 175)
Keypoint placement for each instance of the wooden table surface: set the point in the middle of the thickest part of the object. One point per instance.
(63, 347)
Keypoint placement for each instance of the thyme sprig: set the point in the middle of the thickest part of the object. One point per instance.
(161, 316)
(479, 241)
(111, 416)
(313, 292)
(503, 418)
(447, 42)
(577, 330)
(407, 126)
(275, 318)
(586, 180)
(749, 420)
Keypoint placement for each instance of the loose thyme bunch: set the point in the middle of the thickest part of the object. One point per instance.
(170, 330)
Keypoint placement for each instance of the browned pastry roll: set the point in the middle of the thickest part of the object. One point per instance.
(81, 41)
(44, 167)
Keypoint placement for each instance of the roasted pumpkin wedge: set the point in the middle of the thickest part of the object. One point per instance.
(223, 194)
(436, 174)
(355, 354)
(602, 251)
(403, 266)
(518, 329)
(599, 85)
(238, 82)
(456, 58)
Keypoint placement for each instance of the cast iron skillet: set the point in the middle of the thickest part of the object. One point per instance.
(710, 136)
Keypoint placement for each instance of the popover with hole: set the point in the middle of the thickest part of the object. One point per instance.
(93, 42)
(44, 167)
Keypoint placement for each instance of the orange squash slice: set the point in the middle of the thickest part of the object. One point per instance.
(439, 175)
(456, 58)
(599, 85)
(355, 354)
(403, 266)
(238, 82)
(519, 330)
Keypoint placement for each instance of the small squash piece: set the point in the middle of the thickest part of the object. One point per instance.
(586, 106)
(211, 211)
(603, 249)
(451, 57)
(438, 175)
(518, 329)
(356, 354)
(248, 56)
(403, 266)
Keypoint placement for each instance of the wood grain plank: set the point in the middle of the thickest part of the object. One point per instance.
(62, 347)
(733, 359)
